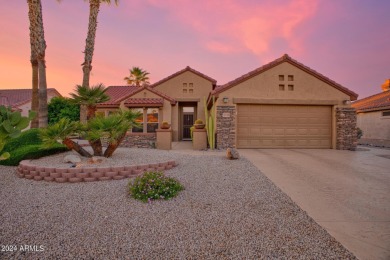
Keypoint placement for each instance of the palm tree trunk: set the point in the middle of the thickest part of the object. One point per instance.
(94, 6)
(113, 146)
(91, 110)
(33, 10)
(35, 93)
(97, 147)
(42, 114)
(75, 146)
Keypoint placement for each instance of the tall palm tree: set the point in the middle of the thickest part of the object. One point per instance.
(38, 48)
(90, 97)
(137, 77)
(94, 6)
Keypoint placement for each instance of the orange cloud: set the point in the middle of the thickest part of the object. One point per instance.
(232, 26)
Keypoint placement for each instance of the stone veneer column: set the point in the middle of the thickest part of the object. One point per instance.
(226, 126)
(346, 132)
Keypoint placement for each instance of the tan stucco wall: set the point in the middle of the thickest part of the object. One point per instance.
(174, 88)
(264, 89)
(374, 125)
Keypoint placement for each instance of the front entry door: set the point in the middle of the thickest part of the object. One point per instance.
(188, 122)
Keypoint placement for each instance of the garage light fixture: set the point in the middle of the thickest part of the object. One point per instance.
(225, 100)
(347, 102)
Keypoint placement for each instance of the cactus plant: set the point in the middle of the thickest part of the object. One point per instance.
(198, 121)
(210, 123)
(11, 125)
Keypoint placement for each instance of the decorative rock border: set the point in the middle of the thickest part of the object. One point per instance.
(87, 174)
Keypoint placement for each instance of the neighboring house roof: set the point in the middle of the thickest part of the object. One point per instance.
(188, 68)
(284, 58)
(18, 97)
(380, 101)
(119, 93)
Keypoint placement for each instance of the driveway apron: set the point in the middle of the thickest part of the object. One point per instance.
(346, 192)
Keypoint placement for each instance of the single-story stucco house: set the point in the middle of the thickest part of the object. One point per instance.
(283, 104)
(20, 99)
(373, 117)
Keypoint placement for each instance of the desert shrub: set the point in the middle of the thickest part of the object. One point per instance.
(153, 186)
(27, 137)
(359, 133)
(33, 151)
(28, 146)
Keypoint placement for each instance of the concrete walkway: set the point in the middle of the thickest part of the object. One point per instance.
(347, 193)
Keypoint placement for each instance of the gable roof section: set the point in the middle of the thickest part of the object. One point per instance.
(284, 58)
(18, 97)
(119, 93)
(188, 68)
(158, 93)
(380, 101)
(141, 102)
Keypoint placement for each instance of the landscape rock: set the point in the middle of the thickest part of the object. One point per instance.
(71, 158)
(232, 154)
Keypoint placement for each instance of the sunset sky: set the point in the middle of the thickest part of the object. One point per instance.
(347, 41)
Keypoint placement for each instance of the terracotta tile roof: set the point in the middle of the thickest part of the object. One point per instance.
(380, 101)
(116, 94)
(144, 101)
(284, 58)
(188, 68)
(18, 97)
(119, 93)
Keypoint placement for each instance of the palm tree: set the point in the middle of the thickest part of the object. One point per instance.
(61, 131)
(90, 97)
(38, 47)
(94, 6)
(137, 77)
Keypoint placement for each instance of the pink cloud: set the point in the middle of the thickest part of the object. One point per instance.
(233, 26)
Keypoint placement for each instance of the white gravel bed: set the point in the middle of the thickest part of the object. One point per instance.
(228, 210)
(122, 157)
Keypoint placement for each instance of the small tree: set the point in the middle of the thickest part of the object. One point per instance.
(60, 107)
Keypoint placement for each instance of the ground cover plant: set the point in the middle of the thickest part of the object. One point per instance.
(153, 186)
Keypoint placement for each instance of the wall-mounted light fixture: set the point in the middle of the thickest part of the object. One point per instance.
(225, 99)
(347, 102)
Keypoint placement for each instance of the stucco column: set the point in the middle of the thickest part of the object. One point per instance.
(199, 139)
(164, 139)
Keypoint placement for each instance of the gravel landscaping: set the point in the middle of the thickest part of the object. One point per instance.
(228, 210)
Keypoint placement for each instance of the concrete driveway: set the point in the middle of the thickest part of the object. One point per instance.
(347, 193)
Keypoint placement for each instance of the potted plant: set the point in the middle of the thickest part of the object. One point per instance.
(199, 124)
(165, 125)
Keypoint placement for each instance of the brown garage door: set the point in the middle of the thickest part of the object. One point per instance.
(284, 126)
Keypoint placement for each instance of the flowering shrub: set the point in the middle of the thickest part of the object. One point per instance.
(153, 186)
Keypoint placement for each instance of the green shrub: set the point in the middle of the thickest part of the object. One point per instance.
(33, 151)
(27, 137)
(28, 146)
(359, 133)
(153, 186)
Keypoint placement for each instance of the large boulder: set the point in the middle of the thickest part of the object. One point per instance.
(232, 154)
(71, 158)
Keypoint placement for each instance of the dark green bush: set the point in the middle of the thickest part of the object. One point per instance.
(153, 186)
(27, 137)
(28, 146)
